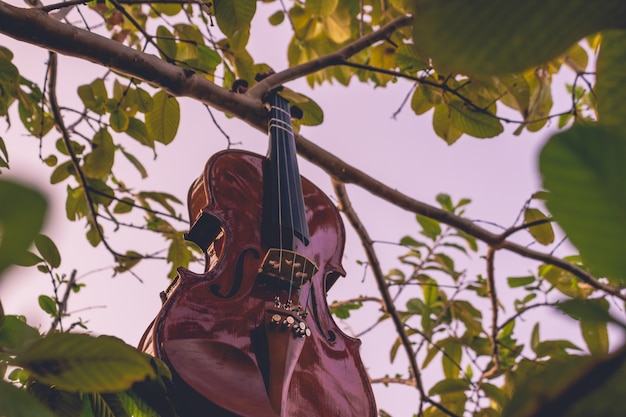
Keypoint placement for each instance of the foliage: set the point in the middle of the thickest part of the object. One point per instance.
(495, 56)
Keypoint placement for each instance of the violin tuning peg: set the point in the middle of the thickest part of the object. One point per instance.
(296, 112)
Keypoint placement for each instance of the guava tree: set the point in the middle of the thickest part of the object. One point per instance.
(475, 68)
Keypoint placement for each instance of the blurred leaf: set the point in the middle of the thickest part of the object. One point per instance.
(443, 126)
(19, 403)
(589, 311)
(574, 386)
(515, 282)
(342, 310)
(138, 131)
(166, 43)
(107, 405)
(491, 37)
(99, 162)
(448, 385)
(119, 120)
(430, 228)
(542, 233)
(14, 333)
(585, 173)
(610, 85)
(21, 218)
(135, 162)
(64, 404)
(4, 155)
(94, 95)
(451, 360)
(79, 362)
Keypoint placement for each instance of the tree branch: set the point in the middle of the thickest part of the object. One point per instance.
(338, 57)
(346, 207)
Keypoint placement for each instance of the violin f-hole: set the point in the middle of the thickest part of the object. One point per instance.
(243, 270)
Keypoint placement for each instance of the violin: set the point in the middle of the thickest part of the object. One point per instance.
(253, 336)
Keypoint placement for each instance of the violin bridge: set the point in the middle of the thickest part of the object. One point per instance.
(288, 266)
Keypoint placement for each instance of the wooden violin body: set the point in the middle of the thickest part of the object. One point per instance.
(242, 340)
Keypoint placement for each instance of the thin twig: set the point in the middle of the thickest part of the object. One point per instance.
(346, 207)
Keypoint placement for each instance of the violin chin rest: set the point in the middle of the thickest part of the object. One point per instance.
(221, 373)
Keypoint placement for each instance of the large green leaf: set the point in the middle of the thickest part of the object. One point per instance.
(498, 37)
(611, 80)
(163, 119)
(19, 403)
(22, 214)
(572, 387)
(79, 362)
(585, 173)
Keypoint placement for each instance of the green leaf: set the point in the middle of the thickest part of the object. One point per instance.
(48, 250)
(19, 403)
(447, 386)
(574, 386)
(419, 102)
(4, 158)
(430, 227)
(94, 96)
(492, 37)
(585, 173)
(542, 233)
(408, 60)
(554, 348)
(178, 254)
(515, 92)
(21, 218)
(79, 362)
(162, 121)
(14, 333)
(565, 281)
(99, 162)
(108, 405)
(119, 120)
(64, 404)
(234, 15)
(596, 336)
(135, 162)
(48, 305)
(138, 131)
(277, 18)
(166, 43)
(515, 282)
(451, 360)
(610, 86)
(124, 206)
(588, 310)
(443, 126)
(474, 122)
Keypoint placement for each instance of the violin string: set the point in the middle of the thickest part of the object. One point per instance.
(283, 126)
(286, 138)
(280, 215)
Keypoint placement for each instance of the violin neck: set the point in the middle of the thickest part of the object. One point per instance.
(284, 214)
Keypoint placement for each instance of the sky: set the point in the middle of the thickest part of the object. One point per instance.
(498, 174)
